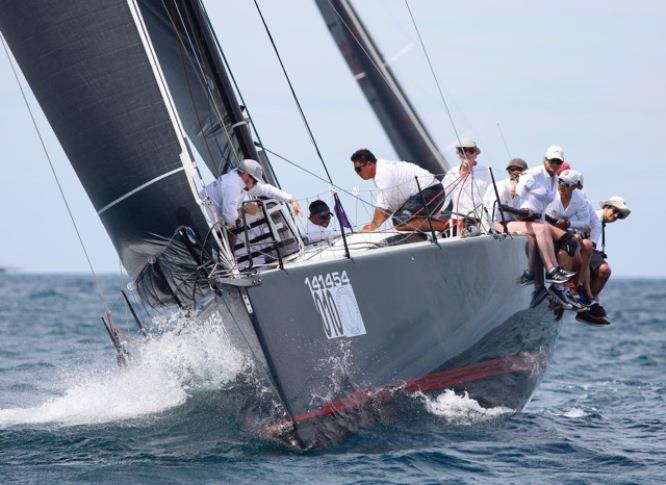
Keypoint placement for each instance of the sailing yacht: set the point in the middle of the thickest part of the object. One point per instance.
(133, 88)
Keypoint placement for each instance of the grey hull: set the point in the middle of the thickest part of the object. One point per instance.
(419, 317)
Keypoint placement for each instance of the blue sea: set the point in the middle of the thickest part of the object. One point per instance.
(179, 413)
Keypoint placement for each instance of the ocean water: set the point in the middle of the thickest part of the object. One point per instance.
(183, 412)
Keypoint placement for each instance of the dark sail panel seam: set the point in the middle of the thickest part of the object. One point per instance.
(138, 189)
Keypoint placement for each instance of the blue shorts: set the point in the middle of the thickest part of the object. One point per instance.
(413, 207)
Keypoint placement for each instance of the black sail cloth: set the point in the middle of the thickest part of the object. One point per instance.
(87, 67)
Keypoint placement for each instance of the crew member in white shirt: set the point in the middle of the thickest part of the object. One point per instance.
(227, 192)
(536, 189)
(398, 193)
(318, 229)
(570, 209)
(506, 189)
(570, 212)
(466, 184)
(612, 209)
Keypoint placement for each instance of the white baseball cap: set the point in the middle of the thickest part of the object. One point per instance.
(568, 177)
(554, 151)
(252, 168)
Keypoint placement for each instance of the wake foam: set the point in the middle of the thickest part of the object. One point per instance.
(185, 356)
(460, 410)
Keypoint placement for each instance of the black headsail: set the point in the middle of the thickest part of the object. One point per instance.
(407, 133)
(88, 66)
(199, 84)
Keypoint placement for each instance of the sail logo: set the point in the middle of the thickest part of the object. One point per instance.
(335, 301)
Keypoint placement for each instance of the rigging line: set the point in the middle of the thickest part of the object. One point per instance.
(293, 92)
(237, 88)
(432, 71)
(55, 176)
(183, 61)
(506, 146)
(202, 78)
(337, 187)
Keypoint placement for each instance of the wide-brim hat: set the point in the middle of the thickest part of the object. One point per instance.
(467, 142)
(252, 168)
(619, 203)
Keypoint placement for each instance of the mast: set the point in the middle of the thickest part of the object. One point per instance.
(402, 125)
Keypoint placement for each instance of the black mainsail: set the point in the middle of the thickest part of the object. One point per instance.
(402, 125)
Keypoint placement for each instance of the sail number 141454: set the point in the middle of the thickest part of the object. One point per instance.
(335, 301)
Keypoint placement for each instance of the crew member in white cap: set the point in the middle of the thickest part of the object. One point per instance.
(465, 184)
(569, 209)
(536, 189)
(538, 186)
(228, 191)
(612, 209)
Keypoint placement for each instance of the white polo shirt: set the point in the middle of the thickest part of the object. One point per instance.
(505, 197)
(536, 189)
(577, 212)
(396, 182)
(228, 191)
(317, 234)
(466, 193)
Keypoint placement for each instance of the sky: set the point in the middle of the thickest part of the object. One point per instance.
(584, 75)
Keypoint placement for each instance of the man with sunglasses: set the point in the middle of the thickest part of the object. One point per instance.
(506, 189)
(466, 184)
(405, 191)
(611, 210)
(318, 228)
(537, 188)
(570, 211)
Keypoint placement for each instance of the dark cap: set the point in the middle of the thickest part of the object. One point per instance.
(517, 162)
(319, 208)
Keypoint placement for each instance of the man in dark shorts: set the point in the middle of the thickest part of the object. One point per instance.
(611, 210)
(405, 191)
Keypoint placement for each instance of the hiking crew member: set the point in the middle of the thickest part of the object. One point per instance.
(506, 188)
(398, 193)
(466, 184)
(536, 189)
(318, 228)
(611, 210)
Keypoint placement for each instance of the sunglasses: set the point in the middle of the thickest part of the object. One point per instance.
(466, 150)
(564, 184)
(555, 161)
(357, 168)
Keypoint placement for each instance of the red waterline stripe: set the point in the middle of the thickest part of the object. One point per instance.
(429, 382)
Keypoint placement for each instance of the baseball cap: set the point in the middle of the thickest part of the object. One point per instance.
(555, 151)
(319, 208)
(252, 168)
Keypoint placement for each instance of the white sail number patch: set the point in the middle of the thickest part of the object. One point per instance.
(335, 301)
